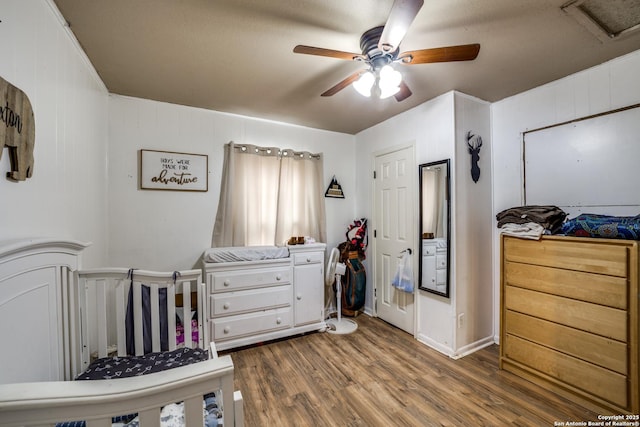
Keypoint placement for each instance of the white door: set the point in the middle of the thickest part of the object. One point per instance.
(394, 232)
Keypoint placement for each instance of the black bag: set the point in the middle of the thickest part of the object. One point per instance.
(354, 282)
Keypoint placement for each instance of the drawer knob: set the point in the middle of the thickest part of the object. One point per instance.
(227, 282)
(226, 306)
(278, 320)
(278, 277)
(226, 329)
(298, 297)
(308, 259)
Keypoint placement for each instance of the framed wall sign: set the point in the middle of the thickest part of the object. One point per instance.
(167, 170)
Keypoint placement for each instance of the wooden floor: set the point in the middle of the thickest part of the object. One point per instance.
(380, 376)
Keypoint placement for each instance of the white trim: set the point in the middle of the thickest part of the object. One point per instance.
(473, 347)
(429, 342)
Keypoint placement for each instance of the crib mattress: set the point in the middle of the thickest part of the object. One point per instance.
(245, 253)
(130, 366)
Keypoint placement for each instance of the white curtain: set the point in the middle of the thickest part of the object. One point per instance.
(268, 195)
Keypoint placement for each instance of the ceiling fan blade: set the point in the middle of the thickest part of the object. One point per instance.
(310, 50)
(465, 52)
(344, 83)
(404, 93)
(402, 14)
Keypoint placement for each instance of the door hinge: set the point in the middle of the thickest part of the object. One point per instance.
(375, 233)
(374, 174)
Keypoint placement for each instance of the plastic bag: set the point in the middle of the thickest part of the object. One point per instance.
(403, 279)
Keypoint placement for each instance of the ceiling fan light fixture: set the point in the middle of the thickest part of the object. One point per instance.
(389, 82)
(389, 77)
(386, 92)
(364, 84)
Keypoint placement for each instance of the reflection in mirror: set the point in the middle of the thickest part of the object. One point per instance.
(434, 227)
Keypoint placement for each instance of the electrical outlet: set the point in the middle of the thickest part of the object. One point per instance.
(460, 320)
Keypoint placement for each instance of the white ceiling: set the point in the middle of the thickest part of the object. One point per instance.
(237, 56)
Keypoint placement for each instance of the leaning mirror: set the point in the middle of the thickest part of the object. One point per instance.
(435, 228)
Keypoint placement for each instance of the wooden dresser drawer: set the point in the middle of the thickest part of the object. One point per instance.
(227, 303)
(245, 279)
(598, 319)
(229, 327)
(592, 348)
(590, 257)
(583, 376)
(595, 288)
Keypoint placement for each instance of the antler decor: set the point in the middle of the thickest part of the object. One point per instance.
(474, 142)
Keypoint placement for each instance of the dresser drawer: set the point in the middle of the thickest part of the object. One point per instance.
(246, 279)
(589, 256)
(229, 327)
(428, 250)
(569, 370)
(308, 258)
(597, 319)
(228, 303)
(592, 348)
(595, 288)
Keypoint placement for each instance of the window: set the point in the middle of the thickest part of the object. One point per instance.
(268, 195)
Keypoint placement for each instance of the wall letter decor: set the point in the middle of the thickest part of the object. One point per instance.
(165, 170)
(17, 130)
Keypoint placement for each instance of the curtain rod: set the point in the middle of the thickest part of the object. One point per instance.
(275, 151)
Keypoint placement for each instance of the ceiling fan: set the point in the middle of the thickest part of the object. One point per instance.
(381, 48)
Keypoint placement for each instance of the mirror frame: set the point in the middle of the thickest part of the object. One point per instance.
(447, 195)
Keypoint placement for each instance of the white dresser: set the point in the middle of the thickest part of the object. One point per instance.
(434, 264)
(256, 301)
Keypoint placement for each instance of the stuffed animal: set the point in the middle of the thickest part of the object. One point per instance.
(357, 236)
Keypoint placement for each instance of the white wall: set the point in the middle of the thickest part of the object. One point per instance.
(438, 129)
(66, 197)
(167, 230)
(605, 87)
(430, 127)
(473, 321)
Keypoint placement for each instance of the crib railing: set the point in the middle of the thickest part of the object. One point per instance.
(45, 403)
(103, 297)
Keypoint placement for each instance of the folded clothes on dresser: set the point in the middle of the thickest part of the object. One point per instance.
(549, 217)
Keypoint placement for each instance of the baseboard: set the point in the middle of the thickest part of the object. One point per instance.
(473, 347)
(447, 351)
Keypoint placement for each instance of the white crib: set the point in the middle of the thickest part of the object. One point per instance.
(102, 296)
(85, 320)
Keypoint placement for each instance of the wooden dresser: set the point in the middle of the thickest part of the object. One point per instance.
(569, 318)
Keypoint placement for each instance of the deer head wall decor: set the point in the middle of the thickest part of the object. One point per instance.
(474, 142)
